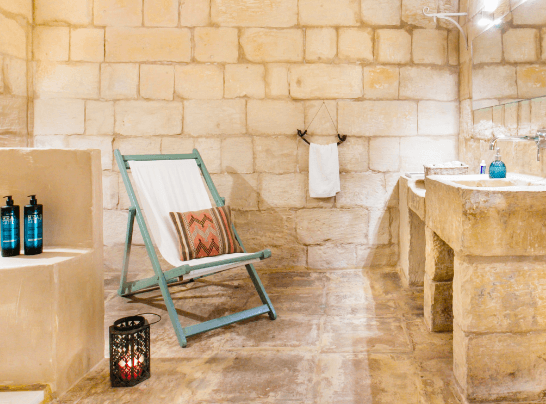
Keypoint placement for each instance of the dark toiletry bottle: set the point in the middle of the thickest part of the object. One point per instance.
(34, 229)
(11, 239)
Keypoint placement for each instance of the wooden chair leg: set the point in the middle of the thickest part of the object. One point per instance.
(261, 290)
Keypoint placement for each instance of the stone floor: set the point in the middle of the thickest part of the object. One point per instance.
(354, 336)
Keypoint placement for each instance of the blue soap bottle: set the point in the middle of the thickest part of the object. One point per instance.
(11, 238)
(497, 169)
(34, 229)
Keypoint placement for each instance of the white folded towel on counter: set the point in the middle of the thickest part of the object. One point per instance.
(323, 170)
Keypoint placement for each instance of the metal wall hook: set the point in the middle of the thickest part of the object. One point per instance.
(301, 134)
(446, 16)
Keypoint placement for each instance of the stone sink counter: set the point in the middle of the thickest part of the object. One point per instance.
(485, 278)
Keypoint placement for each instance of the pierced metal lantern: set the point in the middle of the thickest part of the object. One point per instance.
(129, 351)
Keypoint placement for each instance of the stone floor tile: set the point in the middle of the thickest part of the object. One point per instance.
(428, 345)
(367, 379)
(357, 301)
(305, 301)
(353, 335)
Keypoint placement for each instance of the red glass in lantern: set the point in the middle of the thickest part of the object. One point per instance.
(130, 370)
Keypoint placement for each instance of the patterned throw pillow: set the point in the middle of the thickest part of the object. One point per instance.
(205, 233)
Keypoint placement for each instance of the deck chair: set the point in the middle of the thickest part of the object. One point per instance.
(181, 189)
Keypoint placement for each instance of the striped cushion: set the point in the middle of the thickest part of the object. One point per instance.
(205, 233)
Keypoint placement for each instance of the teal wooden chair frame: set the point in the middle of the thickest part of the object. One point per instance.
(162, 279)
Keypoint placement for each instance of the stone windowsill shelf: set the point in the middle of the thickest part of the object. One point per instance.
(50, 256)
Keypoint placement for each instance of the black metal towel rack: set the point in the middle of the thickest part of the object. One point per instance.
(301, 134)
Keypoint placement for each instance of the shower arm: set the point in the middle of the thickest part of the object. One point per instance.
(447, 16)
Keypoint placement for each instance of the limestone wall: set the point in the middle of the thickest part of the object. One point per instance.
(236, 79)
(15, 51)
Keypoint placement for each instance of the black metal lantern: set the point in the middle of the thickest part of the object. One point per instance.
(129, 351)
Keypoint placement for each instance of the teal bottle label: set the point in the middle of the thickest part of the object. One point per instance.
(33, 230)
(10, 231)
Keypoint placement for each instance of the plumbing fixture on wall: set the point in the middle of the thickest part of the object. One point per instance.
(447, 16)
(539, 139)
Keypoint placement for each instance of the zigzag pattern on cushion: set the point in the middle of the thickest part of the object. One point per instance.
(202, 248)
(194, 219)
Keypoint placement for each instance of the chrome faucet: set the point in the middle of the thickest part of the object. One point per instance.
(540, 140)
(493, 142)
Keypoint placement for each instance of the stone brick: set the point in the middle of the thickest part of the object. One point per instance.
(148, 45)
(391, 184)
(2, 75)
(110, 190)
(157, 82)
(429, 46)
(197, 81)
(321, 114)
(122, 13)
(439, 258)
(323, 203)
(286, 257)
(50, 43)
(194, 13)
(51, 141)
(115, 227)
(438, 305)
(262, 229)
(87, 45)
(237, 155)
(325, 81)
(494, 82)
(282, 191)
(244, 80)
(137, 145)
(385, 12)
(520, 45)
(533, 13)
(99, 117)
(119, 81)
(59, 117)
(269, 45)
(378, 118)
(104, 143)
(337, 225)
(354, 156)
(531, 81)
(356, 44)
(332, 256)
(320, 44)
(210, 150)
(237, 13)
(13, 115)
(23, 8)
(276, 81)
(76, 12)
(15, 76)
(453, 48)
(215, 117)
(376, 256)
(362, 189)
(487, 48)
(216, 44)
(416, 151)
(161, 13)
(543, 43)
(412, 12)
(12, 38)
(56, 80)
(240, 191)
(381, 82)
(379, 227)
(146, 118)
(438, 118)
(392, 46)
(275, 154)
(274, 117)
(489, 296)
(385, 154)
(326, 12)
(177, 145)
(428, 83)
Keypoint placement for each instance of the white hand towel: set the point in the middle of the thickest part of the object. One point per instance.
(323, 170)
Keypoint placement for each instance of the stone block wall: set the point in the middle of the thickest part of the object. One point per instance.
(15, 50)
(235, 79)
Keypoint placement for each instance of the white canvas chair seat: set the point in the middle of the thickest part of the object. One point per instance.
(173, 183)
(174, 186)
